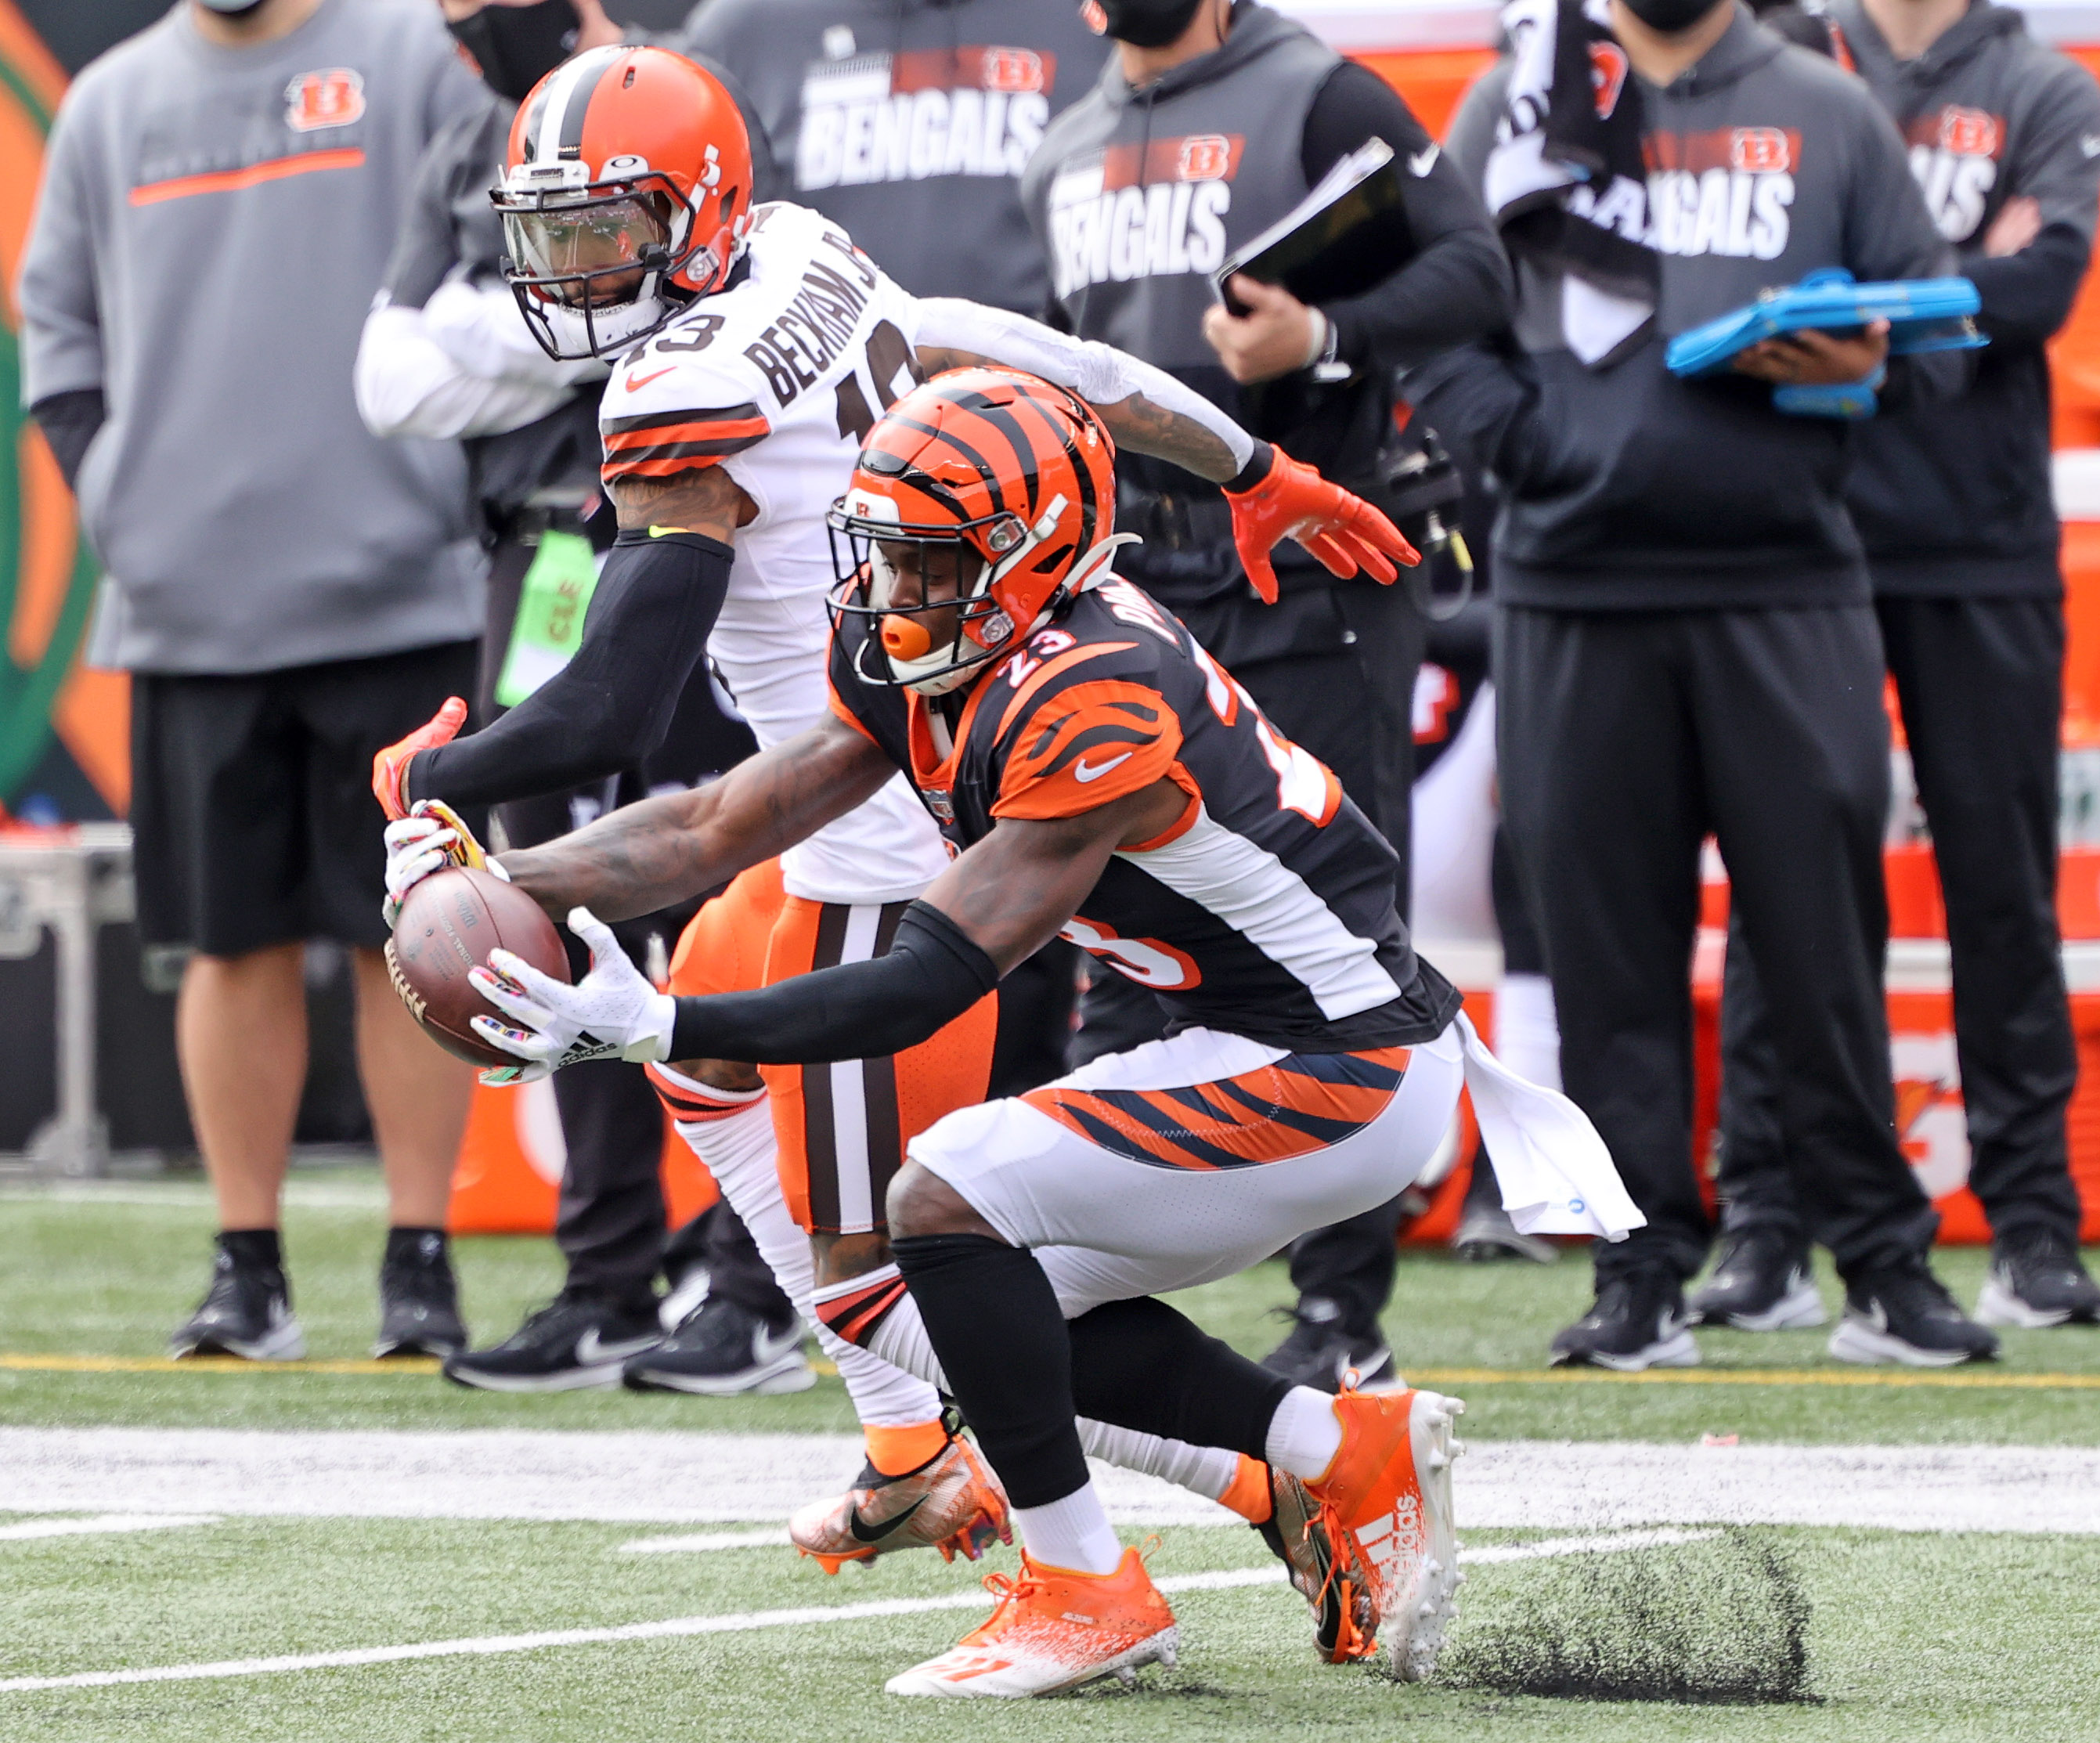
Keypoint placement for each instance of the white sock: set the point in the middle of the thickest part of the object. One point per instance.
(1207, 1470)
(739, 1152)
(1304, 1434)
(1073, 1534)
(1528, 1029)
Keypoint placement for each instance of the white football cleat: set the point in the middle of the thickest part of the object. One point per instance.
(1053, 1629)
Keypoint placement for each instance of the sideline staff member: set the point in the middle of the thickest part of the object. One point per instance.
(290, 592)
(1955, 506)
(1210, 122)
(1687, 638)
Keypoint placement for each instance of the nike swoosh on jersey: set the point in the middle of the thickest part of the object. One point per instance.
(1082, 771)
(591, 1349)
(876, 1534)
(1421, 162)
(637, 381)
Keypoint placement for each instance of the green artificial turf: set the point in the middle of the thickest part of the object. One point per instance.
(1915, 1637)
(1909, 1637)
(109, 1271)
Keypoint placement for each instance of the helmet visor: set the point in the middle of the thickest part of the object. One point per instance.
(591, 254)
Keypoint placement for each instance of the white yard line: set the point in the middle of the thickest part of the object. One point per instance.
(705, 1540)
(704, 1479)
(101, 1523)
(748, 1621)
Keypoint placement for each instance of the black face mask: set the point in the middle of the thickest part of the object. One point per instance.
(1669, 14)
(1147, 23)
(517, 45)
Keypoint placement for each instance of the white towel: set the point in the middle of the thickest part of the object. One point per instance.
(1555, 1175)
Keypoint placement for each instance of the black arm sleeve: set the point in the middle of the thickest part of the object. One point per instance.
(613, 704)
(2027, 296)
(1451, 281)
(69, 421)
(932, 972)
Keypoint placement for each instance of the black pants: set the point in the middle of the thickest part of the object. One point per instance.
(1354, 709)
(1625, 739)
(1981, 685)
(610, 1218)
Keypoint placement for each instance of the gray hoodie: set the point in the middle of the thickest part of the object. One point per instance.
(212, 226)
(1955, 499)
(1625, 488)
(909, 123)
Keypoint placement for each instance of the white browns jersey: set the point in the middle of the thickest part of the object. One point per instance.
(777, 379)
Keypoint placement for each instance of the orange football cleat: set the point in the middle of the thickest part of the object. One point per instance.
(1053, 1629)
(953, 1504)
(1385, 1507)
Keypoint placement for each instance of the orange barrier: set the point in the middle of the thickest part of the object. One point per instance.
(510, 1170)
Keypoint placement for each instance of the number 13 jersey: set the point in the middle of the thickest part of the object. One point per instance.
(1266, 910)
(776, 379)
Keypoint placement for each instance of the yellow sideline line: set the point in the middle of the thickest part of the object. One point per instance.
(1984, 1380)
(416, 1365)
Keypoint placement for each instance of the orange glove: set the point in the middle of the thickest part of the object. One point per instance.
(389, 768)
(1291, 500)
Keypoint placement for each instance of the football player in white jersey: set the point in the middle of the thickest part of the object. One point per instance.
(752, 351)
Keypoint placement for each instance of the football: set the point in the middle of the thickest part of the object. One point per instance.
(448, 924)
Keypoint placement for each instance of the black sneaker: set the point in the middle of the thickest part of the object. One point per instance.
(1905, 1314)
(2036, 1281)
(577, 1340)
(1761, 1284)
(418, 1298)
(246, 1313)
(1319, 1352)
(1486, 1234)
(724, 1348)
(1638, 1321)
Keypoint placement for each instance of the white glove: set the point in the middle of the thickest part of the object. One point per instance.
(612, 1012)
(429, 838)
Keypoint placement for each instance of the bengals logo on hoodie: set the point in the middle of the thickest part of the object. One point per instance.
(1729, 192)
(1119, 214)
(1954, 153)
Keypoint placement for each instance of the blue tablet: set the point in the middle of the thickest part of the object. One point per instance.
(1924, 314)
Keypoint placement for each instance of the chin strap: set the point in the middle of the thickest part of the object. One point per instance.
(1092, 569)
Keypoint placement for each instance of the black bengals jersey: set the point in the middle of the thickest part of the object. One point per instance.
(1266, 910)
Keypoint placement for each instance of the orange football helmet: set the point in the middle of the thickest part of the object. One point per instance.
(1002, 478)
(627, 193)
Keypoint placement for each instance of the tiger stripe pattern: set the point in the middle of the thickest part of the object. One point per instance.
(852, 1313)
(1298, 1104)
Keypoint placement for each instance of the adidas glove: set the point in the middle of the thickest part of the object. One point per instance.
(612, 1012)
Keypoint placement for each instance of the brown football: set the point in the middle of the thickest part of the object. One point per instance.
(448, 924)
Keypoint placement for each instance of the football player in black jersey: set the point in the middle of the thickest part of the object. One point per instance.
(1097, 774)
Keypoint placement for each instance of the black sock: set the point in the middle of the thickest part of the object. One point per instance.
(404, 1245)
(253, 1249)
(994, 1320)
(1142, 1365)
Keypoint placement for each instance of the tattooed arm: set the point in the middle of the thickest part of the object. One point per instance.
(1145, 409)
(1272, 497)
(646, 856)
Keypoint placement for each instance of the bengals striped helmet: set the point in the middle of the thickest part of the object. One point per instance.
(626, 194)
(982, 501)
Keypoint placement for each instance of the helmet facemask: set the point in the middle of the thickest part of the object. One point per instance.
(932, 630)
(593, 263)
